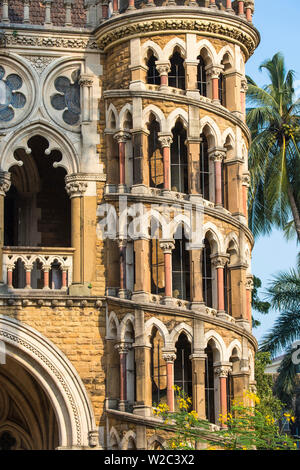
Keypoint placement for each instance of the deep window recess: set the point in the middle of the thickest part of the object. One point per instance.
(209, 385)
(153, 77)
(177, 71)
(181, 268)
(207, 274)
(179, 166)
(201, 77)
(156, 167)
(183, 365)
(204, 168)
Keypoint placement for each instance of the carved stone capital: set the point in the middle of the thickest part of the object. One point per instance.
(122, 137)
(122, 243)
(244, 86)
(86, 80)
(167, 245)
(220, 260)
(93, 438)
(75, 187)
(165, 139)
(5, 182)
(123, 348)
(163, 68)
(169, 355)
(222, 371)
(249, 4)
(213, 71)
(217, 155)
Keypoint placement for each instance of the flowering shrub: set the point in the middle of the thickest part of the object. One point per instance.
(245, 427)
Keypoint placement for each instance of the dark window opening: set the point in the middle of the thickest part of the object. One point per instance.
(158, 370)
(204, 168)
(153, 77)
(209, 385)
(177, 71)
(201, 76)
(183, 365)
(157, 268)
(207, 274)
(155, 158)
(181, 269)
(222, 89)
(227, 290)
(179, 165)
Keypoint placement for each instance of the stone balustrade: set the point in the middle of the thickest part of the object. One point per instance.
(37, 267)
(91, 13)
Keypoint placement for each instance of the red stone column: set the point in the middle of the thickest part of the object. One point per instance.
(213, 73)
(105, 10)
(163, 69)
(222, 372)
(249, 7)
(165, 142)
(115, 7)
(218, 155)
(219, 261)
(241, 8)
(28, 269)
(46, 270)
(169, 357)
(212, 4)
(167, 246)
(131, 5)
(10, 276)
(64, 278)
(123, 350)
(228, 6)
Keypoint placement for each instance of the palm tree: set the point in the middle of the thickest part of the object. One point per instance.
(274, 158)
(284, 296)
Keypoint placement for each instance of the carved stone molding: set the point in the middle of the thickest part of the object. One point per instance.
(244, 86)
(163, 68)
(47, 41)
(217, 155)
(122, 137)
(123, 348)
(76, 188)
(169, 355)
(165, 139)
(246, 179)
(86, 80)
(222, 371)
(39, 62)
(249, 282)
(209, 26)
(219, 260)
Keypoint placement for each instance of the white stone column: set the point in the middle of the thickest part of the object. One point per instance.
(47, 21)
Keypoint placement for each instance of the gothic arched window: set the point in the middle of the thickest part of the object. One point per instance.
(183, 365)
(179, 165)
(207, 274)
(227, 289)
(158, 369)
(156, 166)
(209, 385)
(181, 267)
(153, 77)
(204, 168)
(222, 89)
(177, 71)
(201, 76)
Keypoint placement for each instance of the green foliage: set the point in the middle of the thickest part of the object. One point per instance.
(274, 158)
(246, 427)
(257, 304)
(269, 404)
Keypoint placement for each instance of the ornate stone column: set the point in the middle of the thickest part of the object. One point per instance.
(213, 72)
(115, 7)
(28, 269)
(249, 289)
(46, 271)
(165, 142)
(169, 356)
(218, 155)
(249, 6)
(10, 269)
(131, 5)
(222, 370)
(4, 188)
(76, 189)
(167, 246)
(123, 349)
(122, 137)
(229, 8)
(219, 261)
(122, 247)
(245, 187)
(47, 3)
(68, 5)
(163, 69)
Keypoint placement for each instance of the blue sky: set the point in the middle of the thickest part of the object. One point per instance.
(278, 23)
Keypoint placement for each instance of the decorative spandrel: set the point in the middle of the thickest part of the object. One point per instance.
(68, 98)
(10, 98)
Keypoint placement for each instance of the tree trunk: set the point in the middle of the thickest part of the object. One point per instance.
(294, 209)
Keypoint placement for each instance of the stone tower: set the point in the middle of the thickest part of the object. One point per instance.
(125, 251)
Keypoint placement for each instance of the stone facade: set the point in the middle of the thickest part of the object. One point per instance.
(106, 107)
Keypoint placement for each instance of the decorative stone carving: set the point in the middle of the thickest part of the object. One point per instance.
(40, 62)
(47, 41)
(68, 97)
(169, 355)
(244, 86)
(246, 179)
(123, 348)
(222, 371)
(165, 139)
(5, 182)
(10, 98)
(218, 155)
(122, 137)
(167, 245)
(76, 188)
(163, 68)
(249, 282)
(219, 260)
(86, 80)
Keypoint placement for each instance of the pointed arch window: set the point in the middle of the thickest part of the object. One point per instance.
(179, 164)
(155, 158)
(157, 268)
(227, 289)
(222, 89)
(153, 77)
(204, 168)
(201, 76)
(177, 71)
(183, 365)
(158, 369)
(209, 385)
(207, 274)
(181, 267)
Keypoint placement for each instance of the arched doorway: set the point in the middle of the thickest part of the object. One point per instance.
(27, 418)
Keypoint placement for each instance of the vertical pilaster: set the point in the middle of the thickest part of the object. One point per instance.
(4, 188)
(165, 142)
(26, 4)
(142, 286)
(167, 246)
(123, 351)
(222, 370)
(218, 155)
(169, 356)
(5, 17)
(123, 285)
